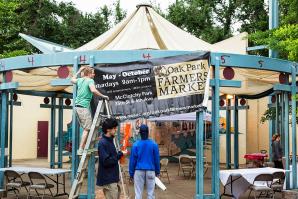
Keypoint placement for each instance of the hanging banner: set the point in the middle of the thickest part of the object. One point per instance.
(154, 87)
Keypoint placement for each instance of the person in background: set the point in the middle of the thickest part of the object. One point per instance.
(277, 152)
(108, 167)
(85, 91)
(144, 164)
(222, 130)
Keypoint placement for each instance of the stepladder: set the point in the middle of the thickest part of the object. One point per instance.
(91, 139)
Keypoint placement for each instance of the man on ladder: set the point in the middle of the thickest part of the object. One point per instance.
(108, 167)
(86, 89)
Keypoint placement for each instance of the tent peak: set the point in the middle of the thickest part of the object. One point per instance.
(143, 5)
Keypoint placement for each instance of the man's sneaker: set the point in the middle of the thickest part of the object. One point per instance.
(80, 152)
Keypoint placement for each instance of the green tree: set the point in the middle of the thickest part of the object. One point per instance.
(195, 16)
(285, 38)
(214, 20)
(46, 19)
(119, 13)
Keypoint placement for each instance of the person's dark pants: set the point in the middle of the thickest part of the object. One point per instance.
(278, 164)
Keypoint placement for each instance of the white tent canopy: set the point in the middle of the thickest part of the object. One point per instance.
(180, 117)
(146, 29)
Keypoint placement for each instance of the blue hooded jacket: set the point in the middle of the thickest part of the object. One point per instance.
(144, 154)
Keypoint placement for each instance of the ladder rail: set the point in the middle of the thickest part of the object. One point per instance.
(76, 185)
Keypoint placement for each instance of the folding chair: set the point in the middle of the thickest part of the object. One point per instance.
(278, 181)
(39, 182)
(186, 165)
(14, 182)
(164, 168)
(262, 183)
(180, 156)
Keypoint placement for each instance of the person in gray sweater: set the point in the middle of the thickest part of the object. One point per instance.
(277, 152)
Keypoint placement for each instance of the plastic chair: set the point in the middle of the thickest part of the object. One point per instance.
(39, 182)
(262, 183)
(278, 181)
(14, 182)
(164, 168)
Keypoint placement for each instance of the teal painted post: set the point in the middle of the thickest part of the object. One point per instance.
(10, 128)
(53, 127)
(228, 135)
(199, 155)
(215, 131)
(236, 135)
(294, 137)
(282, 116)
(91, 186)
(286, 134)
(4, 106)
(273, 21)
(3, 133)
(60, 132)
(75, 138)
(213, 141)
(277, 114)
(91, 164)
(270, 134)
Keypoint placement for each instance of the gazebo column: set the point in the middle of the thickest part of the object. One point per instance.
(271, 129)
(236, 134)
(228, 134)
(286, 135)
(294, 137)
(199, 156)
(277, 126)
(215, 130)
(53, 127)
(60, 132)
(75, 128)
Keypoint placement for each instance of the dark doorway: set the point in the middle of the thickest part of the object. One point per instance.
(42, 139)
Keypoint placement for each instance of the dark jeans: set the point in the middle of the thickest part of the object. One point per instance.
(278, 164)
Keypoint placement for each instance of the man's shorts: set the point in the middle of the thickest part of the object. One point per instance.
(84, 117)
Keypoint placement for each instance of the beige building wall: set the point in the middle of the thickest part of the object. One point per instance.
(257, 133)
(25, 119)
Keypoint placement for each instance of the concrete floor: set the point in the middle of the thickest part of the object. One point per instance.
(179, 187)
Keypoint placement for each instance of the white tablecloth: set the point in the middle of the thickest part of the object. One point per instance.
(45, 171)
(242, 178)
(291, 177)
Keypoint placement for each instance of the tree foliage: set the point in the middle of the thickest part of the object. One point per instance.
(46, 19)
(285, 38)
(215, 20)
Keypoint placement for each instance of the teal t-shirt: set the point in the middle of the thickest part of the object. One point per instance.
(84, 94)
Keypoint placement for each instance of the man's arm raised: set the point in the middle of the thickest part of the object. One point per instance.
(74, 78)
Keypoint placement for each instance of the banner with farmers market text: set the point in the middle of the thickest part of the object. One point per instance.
(154, 87)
